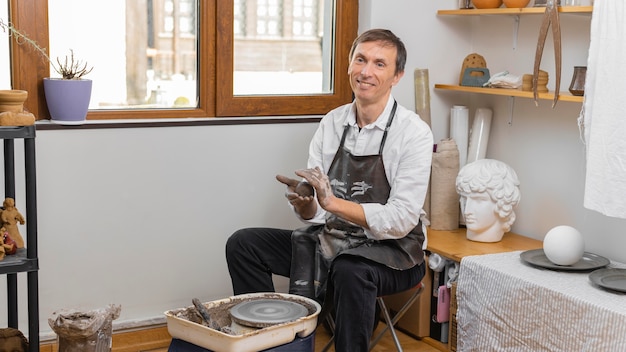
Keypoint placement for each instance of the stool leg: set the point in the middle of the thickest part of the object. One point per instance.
(391, 322)
(389, 326)
(331, 326)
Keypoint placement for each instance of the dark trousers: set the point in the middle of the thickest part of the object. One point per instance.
(254, 254)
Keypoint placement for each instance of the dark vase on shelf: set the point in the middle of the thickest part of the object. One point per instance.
(577, 87)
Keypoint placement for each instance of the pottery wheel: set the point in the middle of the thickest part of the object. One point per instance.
(266, 312)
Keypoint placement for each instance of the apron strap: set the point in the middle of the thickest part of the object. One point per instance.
(382, 142)
(391, 115)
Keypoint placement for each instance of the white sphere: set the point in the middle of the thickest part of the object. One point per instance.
(564, 245)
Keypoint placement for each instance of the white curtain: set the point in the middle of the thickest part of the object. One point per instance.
(603, 117)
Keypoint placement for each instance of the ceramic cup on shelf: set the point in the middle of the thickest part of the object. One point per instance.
(577, 87)
(516, 3)
(487, 4)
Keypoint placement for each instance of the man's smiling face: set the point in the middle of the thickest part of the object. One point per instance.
(372, 71)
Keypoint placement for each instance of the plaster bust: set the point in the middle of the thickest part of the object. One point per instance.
(489, 191)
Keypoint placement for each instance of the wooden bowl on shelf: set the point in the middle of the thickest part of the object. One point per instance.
(516, 3)
(487, 4)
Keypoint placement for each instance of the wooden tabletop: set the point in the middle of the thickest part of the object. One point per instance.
(454, 244)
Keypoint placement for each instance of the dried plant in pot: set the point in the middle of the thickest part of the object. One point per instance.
(67, 97)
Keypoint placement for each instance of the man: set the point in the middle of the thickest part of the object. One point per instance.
(489, 191)
(369, 164)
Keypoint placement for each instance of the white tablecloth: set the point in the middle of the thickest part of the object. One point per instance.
(505, 304)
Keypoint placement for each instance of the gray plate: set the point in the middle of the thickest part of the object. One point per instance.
(589, 261)
(611, 278)
(266, 312)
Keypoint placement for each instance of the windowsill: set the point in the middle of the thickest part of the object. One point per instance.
(45, 125)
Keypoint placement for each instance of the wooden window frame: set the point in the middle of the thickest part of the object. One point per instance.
(215, 48)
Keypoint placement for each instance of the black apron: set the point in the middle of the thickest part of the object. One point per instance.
(360, 179)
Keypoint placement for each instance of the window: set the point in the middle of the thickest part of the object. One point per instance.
(192, 58)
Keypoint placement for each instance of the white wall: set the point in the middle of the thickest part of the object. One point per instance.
(139, 217)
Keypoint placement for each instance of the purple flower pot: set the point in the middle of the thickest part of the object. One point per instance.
(67, 99)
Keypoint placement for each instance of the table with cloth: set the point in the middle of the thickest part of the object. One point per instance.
(505, 304)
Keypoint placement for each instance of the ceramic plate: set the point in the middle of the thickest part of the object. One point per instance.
(589, 261)
(613, 279)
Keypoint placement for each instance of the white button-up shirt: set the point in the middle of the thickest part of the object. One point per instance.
(407, 157)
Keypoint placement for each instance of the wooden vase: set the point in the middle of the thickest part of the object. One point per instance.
(12, 100)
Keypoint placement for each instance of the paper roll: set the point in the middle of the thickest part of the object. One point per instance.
(422, 108)
(422, 94)
(479, 136)
(459, 130)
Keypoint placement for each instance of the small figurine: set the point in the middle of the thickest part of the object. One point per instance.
(10, 218)
(12, 340)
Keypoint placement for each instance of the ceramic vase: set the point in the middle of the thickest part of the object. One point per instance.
(577, 87)
(12, 100)
(67, 99)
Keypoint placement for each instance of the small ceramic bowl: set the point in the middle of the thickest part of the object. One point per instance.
(487, 4)
(516, 3)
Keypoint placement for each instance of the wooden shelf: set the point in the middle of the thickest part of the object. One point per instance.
(454, 244)
(563, 96)
(512, 11)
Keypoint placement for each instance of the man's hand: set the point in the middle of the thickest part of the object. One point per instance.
(319, 180)
(300, 194)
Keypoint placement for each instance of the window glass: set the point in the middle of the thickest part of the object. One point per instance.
(5, 59)
(143, 53)
(282, 47)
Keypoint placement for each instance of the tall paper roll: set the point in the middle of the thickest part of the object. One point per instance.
(422, 94)
(422, 108)
(459, 130)
(479, 136)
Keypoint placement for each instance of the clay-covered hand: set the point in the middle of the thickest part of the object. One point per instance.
(298, 192)
(319, 180)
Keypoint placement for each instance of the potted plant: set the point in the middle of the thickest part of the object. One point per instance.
(67, 97)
